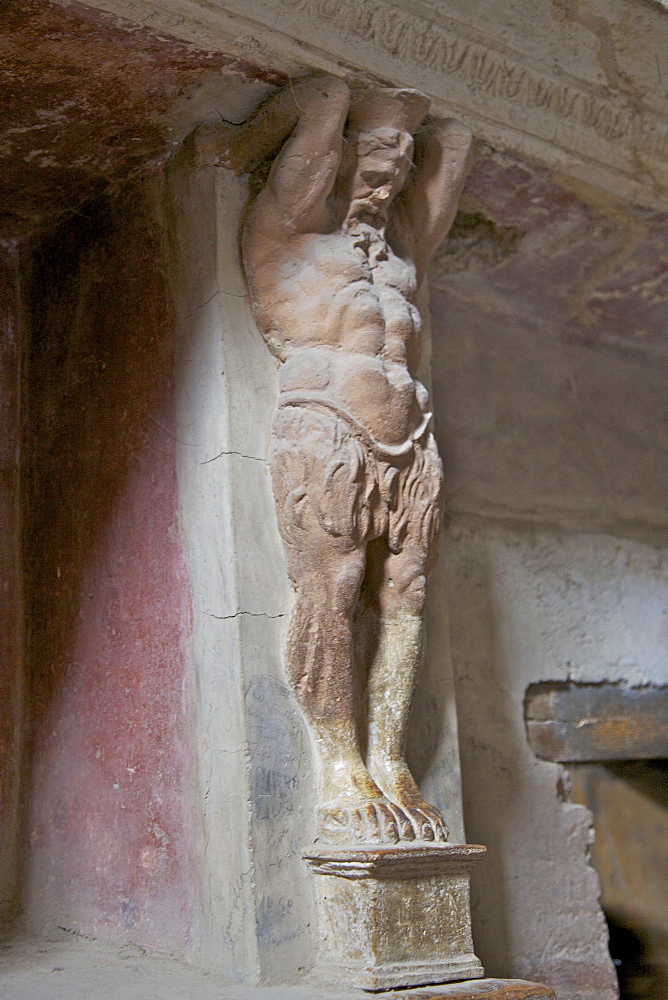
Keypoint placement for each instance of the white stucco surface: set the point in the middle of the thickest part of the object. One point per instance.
(530, 605)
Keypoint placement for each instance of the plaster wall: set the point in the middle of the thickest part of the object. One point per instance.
(550, 399)
(253, 768)
(170, 773)
(530, 605)
(549, 353)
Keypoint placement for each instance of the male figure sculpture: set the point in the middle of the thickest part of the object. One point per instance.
(335, 246)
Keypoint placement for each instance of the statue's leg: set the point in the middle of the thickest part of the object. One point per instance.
(393, 676)
(316, 474)
(398, 582)
(319, 662)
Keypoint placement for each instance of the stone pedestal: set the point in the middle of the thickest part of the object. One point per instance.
(395, 917)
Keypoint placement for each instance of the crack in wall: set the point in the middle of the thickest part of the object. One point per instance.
(249, 614)
(254, 458)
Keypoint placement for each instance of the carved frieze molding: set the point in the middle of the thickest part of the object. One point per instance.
(614, 137)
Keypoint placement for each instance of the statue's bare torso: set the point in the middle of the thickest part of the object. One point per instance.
(348, 326)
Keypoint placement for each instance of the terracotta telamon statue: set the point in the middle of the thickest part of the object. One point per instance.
(360, 193)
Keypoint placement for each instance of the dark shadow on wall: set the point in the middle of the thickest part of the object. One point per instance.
(641, 976)
(11, 596)
(106, 599)
(97, 376)
(611, 737)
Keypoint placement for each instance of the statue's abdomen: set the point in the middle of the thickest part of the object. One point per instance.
(380, 395)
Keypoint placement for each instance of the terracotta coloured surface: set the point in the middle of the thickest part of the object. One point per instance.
(362, 189)
(488, 989)
(111, 827)
(395, 862)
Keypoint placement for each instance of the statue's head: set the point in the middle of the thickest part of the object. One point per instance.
(383, 159)
(379, 134)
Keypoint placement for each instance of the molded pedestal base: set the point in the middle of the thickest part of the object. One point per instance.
(395, 917)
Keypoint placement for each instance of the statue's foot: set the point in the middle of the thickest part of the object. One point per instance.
(426, 821)
(381, 807)
(375, 821)
(399, 786)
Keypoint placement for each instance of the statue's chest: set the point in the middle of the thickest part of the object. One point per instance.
(349, 259)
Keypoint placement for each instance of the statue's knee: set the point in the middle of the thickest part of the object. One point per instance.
(416, 593)
(410, 589)
(346, 584)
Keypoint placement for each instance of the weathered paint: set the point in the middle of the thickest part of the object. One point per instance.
(551, 409)
(111, 825)
(89, 98)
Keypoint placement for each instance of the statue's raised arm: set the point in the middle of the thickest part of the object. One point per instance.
(303, 125)
(428, 203)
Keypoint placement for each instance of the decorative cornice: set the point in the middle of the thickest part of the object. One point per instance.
(608, 136)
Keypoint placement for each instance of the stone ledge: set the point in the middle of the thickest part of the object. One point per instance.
(69, 967)
(483, 989)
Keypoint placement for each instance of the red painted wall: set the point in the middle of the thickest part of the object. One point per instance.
(110, 827)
